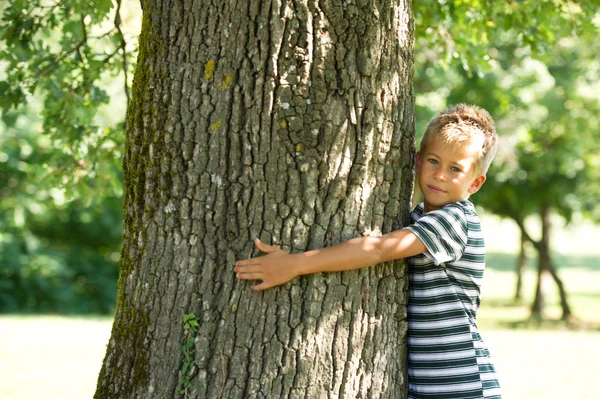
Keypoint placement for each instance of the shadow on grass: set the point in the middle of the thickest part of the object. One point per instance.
(589, 262)
(504, 303)
(533, 322)
(536, 323)
(507, 262)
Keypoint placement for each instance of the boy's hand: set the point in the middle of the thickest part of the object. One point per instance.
(275, 268)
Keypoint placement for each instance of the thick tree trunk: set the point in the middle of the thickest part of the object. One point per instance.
(289, 121)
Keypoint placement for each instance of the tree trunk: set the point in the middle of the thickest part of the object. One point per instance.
(564, 303)
(521, 261)
(537, 307)
(545, 264)
(292, 122)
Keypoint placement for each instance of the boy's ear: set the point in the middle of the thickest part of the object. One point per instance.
(418, 169)
(476, 184)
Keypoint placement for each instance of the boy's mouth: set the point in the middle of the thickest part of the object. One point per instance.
(436, 189)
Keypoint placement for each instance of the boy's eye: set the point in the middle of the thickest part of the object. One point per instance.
(433, 161)
(455, 169)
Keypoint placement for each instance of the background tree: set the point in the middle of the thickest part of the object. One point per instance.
(555, 154)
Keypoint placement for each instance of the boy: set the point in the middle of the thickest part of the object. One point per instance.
(446, 258)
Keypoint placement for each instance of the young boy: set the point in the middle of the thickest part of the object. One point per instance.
(446, 257)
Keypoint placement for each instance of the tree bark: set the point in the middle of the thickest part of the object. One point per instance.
(288, 121)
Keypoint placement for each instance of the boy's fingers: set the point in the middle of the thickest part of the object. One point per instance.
(264, 247)
(248, 268)
(248, 262)
(250, 276)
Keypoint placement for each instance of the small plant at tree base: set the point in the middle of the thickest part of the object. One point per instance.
(190, 327)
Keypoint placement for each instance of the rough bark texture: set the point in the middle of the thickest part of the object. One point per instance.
(289, 121)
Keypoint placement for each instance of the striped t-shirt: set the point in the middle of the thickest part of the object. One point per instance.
(446, 355)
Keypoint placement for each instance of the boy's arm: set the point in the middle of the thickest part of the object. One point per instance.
(278, 267)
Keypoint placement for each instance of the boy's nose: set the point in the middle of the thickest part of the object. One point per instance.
(439, 175)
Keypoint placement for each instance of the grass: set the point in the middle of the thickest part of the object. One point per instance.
(499, 310)
(545, 364)
(51, 357)
(59, 357)
(550, 359)
(543, 360)
(579, 269)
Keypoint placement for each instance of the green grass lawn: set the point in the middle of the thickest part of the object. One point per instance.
(60, 357)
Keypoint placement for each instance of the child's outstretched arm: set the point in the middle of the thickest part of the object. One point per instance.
(279, 267)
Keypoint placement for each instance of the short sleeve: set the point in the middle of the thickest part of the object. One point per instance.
(444, 233)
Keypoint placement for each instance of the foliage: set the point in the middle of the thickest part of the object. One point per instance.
(190, 327)
(539, 88)
(463, 31)
(57, 57)
(547, 114)
(55, 256)
(60, 153)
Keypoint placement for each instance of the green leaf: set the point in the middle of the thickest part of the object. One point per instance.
(189, 316)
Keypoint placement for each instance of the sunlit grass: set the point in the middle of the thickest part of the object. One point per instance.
(59, 358)
(579, 270)
(51, 357)
(551, 359)
(499, 309)
(545, 364)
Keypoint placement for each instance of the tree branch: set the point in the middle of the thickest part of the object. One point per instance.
(526, 235)
(53, 64)
(123, 45)
(510, 212)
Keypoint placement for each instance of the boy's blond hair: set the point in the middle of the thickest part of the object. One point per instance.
(456, 125)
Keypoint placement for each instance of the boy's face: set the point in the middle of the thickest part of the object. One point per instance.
(446, 173)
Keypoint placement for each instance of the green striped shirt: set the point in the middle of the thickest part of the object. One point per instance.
(446, 356)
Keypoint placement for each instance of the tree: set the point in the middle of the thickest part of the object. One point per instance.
(291, 122)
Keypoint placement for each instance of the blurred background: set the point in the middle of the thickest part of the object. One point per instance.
(65, 72)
